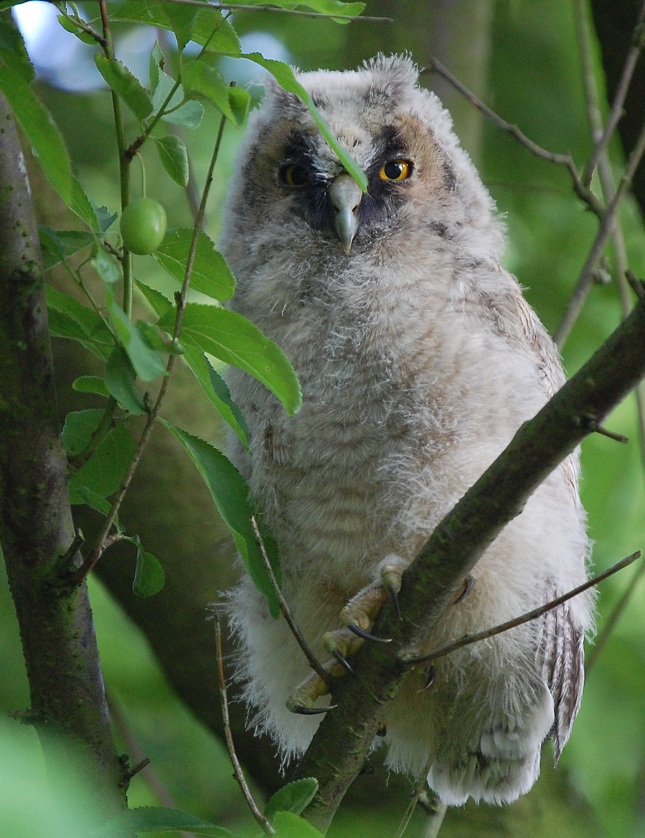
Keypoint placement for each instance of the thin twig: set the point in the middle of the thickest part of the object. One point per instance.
(468, 639)
(584, 193)
(150, 776)
(605, 230)
(267, 7)
(619, 98)
(228, 735)
(613, 618)
(285, 610)
(625, 286)
(99, 548)
(414, 798)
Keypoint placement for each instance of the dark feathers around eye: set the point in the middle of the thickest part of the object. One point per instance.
(309, 193)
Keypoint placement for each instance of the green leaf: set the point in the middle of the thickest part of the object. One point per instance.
(97, 502)
(149, 576)
(158, 339)
(200, 78)
(211, 275)
(294, 797)
(168, 93)
(217, 391)
(174, 158)
(285, 77)
(13, 46)
(182, 20)
(322, 7)
(103, 473)
(210, 27)
(106, 266)
(158, 819)
(236, 341)
(68, 318)
(240, 102)
(57, 245)
(231, 495)
(70, 25)
(44, 137)
(90, 384)
(188, 115)
(78, 428)
(127, 86)
(148, 363)
(155, 66)
(158, 303)
(120, 382)
(104, 217)
(288, 825)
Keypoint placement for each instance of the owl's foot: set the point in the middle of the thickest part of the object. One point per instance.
(303, 699)
(356, 618)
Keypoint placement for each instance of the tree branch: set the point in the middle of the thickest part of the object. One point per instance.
(337, 752)
(68, 703)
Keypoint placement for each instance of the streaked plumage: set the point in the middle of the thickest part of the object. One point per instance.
(419, 359)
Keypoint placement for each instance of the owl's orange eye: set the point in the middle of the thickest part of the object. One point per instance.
(293, 174)
(396, 170)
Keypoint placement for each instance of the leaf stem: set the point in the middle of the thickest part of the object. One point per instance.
(124, 161)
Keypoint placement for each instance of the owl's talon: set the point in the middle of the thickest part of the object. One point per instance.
(431, 674)
(303, 699)
(302, 710)
(365, 635)
(342, 660)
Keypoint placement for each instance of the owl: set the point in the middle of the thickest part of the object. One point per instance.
(419, 359)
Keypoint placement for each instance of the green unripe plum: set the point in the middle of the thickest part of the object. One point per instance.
(143, 225)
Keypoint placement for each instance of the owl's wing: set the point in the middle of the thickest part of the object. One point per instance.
(560, 646)
(562, 659)
(513, 318)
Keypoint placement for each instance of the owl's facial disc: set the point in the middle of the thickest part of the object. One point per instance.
(345, 197)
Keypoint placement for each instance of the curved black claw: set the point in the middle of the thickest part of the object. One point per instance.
(342, 660)
(394, 597)
(431, 674)
(301, 710)
(359, 632)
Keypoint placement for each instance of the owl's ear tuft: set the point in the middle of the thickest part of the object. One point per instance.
(393, 78)
(399, 71)
(278, 95)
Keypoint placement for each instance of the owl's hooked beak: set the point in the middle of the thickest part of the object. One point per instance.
(345, 196)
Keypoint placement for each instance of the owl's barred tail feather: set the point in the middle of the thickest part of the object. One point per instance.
(504, 767)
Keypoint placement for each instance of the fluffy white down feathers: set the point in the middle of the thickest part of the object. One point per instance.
(419, 359)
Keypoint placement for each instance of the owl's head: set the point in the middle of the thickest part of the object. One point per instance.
(291, 194)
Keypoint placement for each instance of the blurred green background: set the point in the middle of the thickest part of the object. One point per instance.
(522, 58)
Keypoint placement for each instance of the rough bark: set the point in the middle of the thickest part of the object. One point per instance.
(68, 706)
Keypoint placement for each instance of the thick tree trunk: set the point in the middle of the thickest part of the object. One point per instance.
(68, 706)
